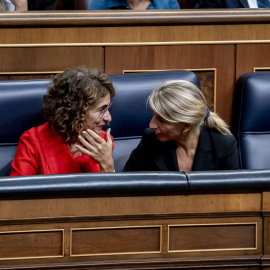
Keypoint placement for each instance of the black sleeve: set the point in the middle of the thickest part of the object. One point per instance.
(231, 157)
(209, 4)
(225, 150)
(140, 157)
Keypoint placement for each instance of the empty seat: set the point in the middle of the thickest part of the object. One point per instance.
(253, 127)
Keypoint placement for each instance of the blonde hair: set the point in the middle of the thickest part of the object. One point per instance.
(181, 101)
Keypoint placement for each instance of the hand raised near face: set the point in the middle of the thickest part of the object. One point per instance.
(20, 5)
(98, 149)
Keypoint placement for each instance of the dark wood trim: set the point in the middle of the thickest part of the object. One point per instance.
(265, 261)
(25, 221)
(138, 18)
(185, 263)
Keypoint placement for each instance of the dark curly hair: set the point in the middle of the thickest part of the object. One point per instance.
(70, 95)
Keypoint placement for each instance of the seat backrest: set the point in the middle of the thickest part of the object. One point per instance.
(254, 120)
(21, 109)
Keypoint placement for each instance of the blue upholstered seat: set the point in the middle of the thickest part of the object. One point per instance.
(21, 109)
(254, 120)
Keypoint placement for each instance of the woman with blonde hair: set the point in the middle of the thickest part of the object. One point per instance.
(184, 135)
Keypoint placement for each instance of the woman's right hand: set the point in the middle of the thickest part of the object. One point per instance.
(20, 5)
(98, 149)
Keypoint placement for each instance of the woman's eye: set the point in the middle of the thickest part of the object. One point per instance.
(102, 109)
(160, 119)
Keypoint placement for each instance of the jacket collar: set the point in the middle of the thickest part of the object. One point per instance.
(56, 151)
(204, 156)
(204, 159)
(166, 159)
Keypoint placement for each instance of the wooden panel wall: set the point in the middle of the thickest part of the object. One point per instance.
(252, 57)
(218, 45)
(203, 58)
(197, 231)
(28, 62)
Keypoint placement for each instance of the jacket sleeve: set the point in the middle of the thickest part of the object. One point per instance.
(26, 159)
(140, 157)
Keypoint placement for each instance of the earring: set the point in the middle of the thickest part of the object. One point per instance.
(184, 133)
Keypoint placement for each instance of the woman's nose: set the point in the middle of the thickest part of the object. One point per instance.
(153, 124)
(107, 116)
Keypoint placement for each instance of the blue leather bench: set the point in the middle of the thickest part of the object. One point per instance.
(132, 184)
(21, 105)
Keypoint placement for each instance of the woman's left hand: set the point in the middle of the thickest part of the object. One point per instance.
(98, 149)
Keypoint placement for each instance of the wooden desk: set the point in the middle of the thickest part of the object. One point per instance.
(219, 45)
(194, 231)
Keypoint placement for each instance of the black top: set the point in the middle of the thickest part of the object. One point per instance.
(42, 4)
(215, 151)
(222, 4)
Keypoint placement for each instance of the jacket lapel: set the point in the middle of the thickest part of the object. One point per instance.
(166, 160)
(58, 156)
(244, 3)
(204, 157)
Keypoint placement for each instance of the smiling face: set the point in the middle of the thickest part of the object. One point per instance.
(166, 131)
(97, 116)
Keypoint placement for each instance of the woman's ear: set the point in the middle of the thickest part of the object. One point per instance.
(187, 127)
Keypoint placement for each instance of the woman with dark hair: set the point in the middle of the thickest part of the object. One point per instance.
(72, 139)
(184, 134)
(133, 4)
